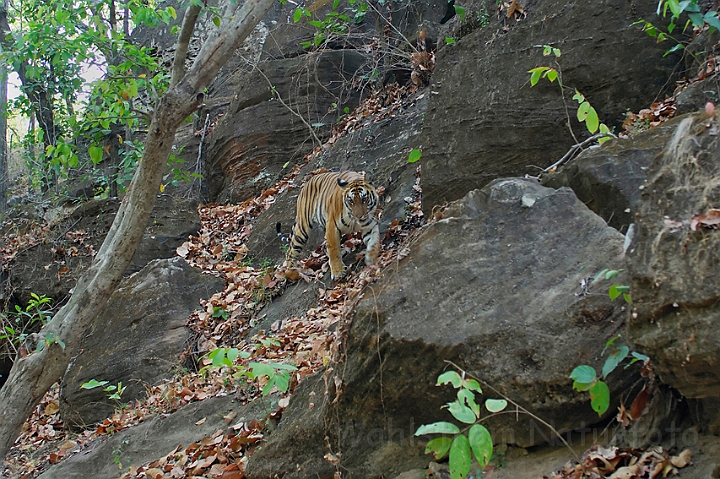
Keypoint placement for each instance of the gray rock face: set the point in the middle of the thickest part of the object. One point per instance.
(674, 271)
(258, 135)
(38, 270)
(492, 287)
(154, 438)
(486, 121)
(143, 335)
(608, 179)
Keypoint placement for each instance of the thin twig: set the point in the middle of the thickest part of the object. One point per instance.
(573, 149)
(66, 230)
(199, 166)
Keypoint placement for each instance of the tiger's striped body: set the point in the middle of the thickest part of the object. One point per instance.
(341, 203)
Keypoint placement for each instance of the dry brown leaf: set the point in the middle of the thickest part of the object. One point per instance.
(627, 472)
(639, 404)
(154, 473)
(708, 219)
(52, 407)
(682, 459)
(659, 468)
(201, 421)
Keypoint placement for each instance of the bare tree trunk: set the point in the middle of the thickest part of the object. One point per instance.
(82, 316)
(4, 178)
(178, 67)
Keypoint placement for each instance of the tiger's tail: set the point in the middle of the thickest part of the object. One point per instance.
(278, 229)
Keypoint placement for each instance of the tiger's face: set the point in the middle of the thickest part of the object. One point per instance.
(359, 200)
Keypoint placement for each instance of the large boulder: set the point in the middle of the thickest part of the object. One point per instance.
(53, 267)
(141, 339)
(674, 269)
(155, 438)
(485, 121)
(503, 302)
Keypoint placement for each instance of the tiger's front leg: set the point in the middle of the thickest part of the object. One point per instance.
(332, 240)
(372, 245)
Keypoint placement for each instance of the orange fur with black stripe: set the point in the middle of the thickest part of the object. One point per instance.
(341, 203)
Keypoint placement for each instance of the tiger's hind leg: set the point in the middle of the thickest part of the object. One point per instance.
(372, 245)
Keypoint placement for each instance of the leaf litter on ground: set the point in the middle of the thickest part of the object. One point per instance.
(309, 342)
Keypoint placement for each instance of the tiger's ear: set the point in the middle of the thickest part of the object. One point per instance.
(342, 183)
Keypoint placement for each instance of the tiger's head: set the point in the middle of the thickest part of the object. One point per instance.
(359, 198)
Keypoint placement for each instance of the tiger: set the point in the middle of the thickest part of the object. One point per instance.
(341, 203)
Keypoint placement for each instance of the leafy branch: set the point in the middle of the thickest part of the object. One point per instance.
(677, 8)
(478, 441)
(585, 378)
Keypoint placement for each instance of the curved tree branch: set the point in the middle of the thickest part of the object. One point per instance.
(188, 25)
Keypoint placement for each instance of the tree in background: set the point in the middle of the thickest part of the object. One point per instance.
(50, 44)
(34, 374)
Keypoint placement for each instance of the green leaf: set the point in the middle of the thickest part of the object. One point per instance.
(551, 74)
(73, 161)
(610, 274)
(592, 121)
(536, 73)
(495, 405)
(96, 153)
(600, 275)
(93, 383)
(614, 359)
(472, 385)
(600, 397)
(261, 369)
(582, 111)
(460, 457)
(232, 354)
(439, 447)
(442, 427)
(460, 11)
(711, 18)
(297, 15)
(282, 366)
(282, 381)
(583, 374)
(580, 387)
(216, 21)
(467, 398)
(412, 158)
(616, 290)
(449, 41)
(481, 443)
(674, 7)
(677, 47)
(578, 97)
(640, 357)
(461, 412)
